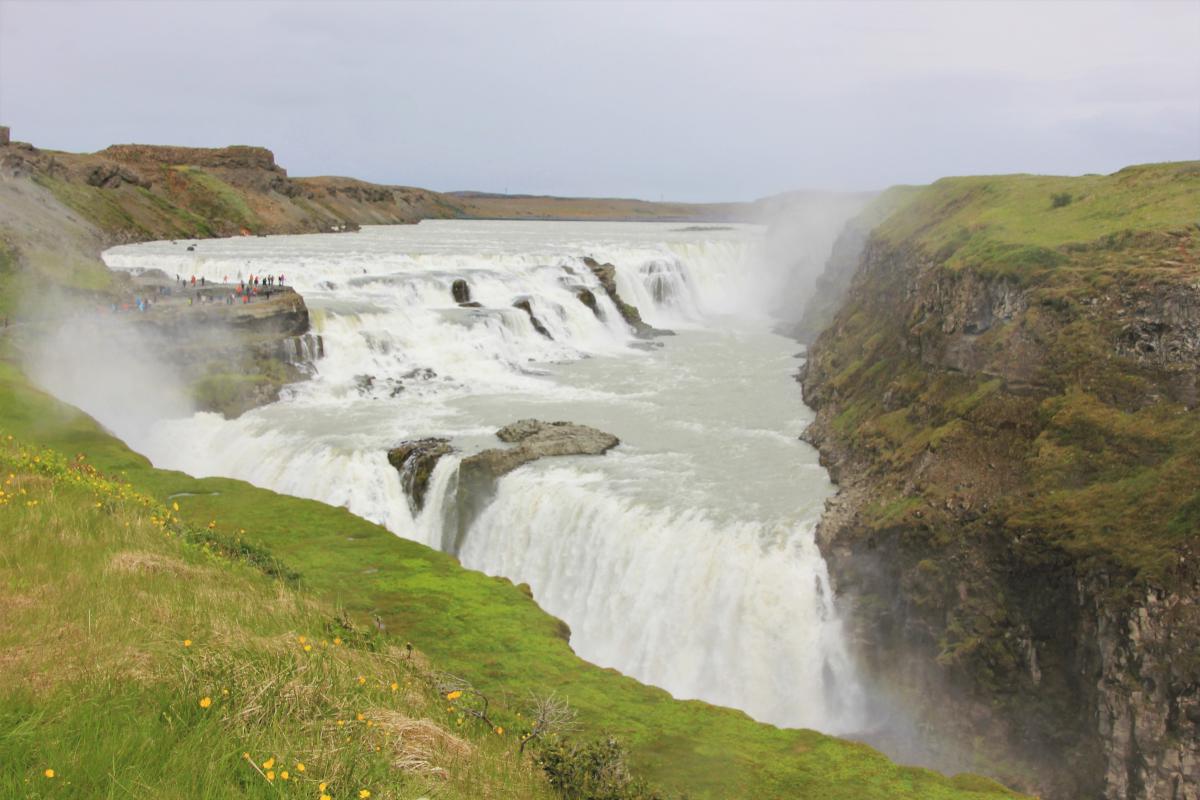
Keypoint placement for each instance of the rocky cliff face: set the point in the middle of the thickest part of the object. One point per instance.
(234, 357)
(140, 192)
(1013, 426)
(59, 214)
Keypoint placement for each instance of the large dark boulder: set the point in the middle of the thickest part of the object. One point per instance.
(461, 291)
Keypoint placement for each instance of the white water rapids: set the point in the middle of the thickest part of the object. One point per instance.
(685, 557)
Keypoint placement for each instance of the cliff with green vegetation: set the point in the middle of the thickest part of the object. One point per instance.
(1008, 400)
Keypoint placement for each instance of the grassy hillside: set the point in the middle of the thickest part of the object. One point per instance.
(45, 251)
(245, 633)
(1020, 226)
(144, 659)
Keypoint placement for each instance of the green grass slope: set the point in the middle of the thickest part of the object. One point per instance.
(484, 629)
(140, 663)
(1112, 458)
(1022, 226)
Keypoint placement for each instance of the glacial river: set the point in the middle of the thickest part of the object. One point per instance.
(685, 557)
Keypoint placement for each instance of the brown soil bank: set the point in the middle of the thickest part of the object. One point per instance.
(1008, 399)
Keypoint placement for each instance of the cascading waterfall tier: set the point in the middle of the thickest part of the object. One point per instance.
(685, 557)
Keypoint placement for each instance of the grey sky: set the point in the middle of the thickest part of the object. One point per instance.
(688, 101)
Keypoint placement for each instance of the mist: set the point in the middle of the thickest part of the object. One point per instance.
(112, 368)
(801, 230)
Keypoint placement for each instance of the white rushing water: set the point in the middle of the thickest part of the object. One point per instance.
(685, 557)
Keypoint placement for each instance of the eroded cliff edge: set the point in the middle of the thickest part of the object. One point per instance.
(1007, 398)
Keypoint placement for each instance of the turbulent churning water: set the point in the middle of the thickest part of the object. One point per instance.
(685, 557)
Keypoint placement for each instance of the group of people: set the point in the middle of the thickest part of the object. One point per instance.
(139, 303)
(269, 280)
(255, 285)
(245, 292)
(253, 281)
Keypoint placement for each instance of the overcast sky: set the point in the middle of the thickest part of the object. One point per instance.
(686, 101)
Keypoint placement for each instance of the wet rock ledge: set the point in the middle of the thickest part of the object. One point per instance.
(532, 439)
(607, 275)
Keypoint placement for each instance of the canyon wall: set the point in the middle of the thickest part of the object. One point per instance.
(1007, 398)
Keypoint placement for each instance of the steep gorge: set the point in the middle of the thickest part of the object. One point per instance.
(1007, 399)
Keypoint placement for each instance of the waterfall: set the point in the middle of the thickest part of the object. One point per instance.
(685, 558)
(759, 631)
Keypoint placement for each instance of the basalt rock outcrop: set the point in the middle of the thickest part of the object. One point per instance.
(1013, 426)
(234, 356)
(585, 296)
(415, 462)
(477, 473)
(534, 439)
(523, 303)
(607, 275)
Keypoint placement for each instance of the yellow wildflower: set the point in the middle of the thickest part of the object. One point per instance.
(187, 642)
(308, 648)
(174, 506)
(341, 722)
(300, 639)
(361, 680)
(359, 716)
(457, 693)
(337, 640)
(270, 775)
(321, 786)
(299, 766)
(326, 797)
(49, 773)
(270, 762)
(246, 756)
(283, 775)
(205, 702)
(395, 686)
(364, 793)
(499, 730)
